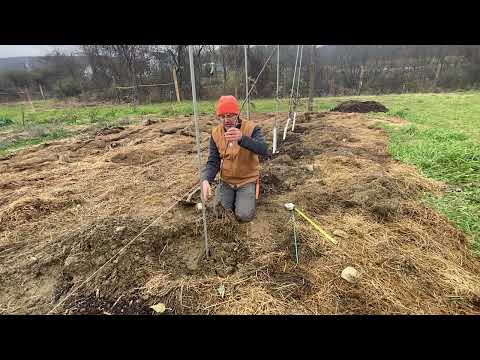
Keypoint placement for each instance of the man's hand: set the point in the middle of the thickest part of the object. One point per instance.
(206, 190)
(233, 134)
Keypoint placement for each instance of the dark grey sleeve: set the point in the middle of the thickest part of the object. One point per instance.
(213, 162)
(256, 143)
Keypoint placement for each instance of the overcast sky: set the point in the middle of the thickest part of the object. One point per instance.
(32, 50)
(35, 50)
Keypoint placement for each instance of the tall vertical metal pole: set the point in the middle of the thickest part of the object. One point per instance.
(311, 81)
(274, 150)
(293, 82)
(197, 138)
(299, 69)
(290, 101)
(298, 83)
(246, 82)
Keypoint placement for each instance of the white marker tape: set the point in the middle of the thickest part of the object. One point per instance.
(274, 140)
(285, 129)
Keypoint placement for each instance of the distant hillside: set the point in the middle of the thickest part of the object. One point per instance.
(30, 62)
(21, 63)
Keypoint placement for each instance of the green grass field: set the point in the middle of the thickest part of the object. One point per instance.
(442, 139)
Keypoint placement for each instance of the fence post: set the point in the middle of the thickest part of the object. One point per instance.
(41, 91)
(174, 73)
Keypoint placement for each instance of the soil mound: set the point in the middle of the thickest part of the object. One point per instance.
(360, 107)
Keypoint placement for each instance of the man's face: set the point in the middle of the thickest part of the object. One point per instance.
(229, 120)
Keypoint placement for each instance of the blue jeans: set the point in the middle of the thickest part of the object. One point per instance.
(240, 200)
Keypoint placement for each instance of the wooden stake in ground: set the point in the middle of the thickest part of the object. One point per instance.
(134, 98)
(27, 94)
(41, 91)
(360, 82)
(174, 73)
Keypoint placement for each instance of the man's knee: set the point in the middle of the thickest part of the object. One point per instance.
(225, 196)
(245, 203)
(245, 215)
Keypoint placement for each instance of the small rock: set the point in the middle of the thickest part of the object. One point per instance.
(340, 233)
(199, 206)
(350, 274)
(148, 122)
(171, 129)
(308, 167)
(120, 229)
(158, 308)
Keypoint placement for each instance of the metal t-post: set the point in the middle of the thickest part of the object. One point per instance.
(197, 138)
(246, 82)
(274, 149)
